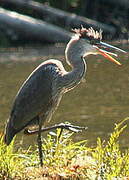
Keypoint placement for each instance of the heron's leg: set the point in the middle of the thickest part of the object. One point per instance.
(60, 134)
(61, 125)
(39, 140)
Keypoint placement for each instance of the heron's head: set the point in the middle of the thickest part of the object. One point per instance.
(91, 41)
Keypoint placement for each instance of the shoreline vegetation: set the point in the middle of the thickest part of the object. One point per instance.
(67, 160)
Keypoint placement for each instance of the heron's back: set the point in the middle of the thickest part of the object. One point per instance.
(38, 96)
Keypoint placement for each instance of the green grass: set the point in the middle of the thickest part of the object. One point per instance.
(65, 159)
(111, 161)
(11, 163)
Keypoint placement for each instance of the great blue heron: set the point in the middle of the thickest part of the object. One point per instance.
(41, 93)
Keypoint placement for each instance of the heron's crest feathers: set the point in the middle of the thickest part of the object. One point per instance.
(89, 33)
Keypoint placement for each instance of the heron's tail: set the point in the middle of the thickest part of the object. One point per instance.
(9, 133)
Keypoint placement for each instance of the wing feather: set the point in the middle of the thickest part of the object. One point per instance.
(36, 96)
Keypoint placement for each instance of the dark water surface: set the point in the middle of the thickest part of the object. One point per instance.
(98, 103)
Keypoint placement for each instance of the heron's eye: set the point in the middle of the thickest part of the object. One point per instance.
(94, 41)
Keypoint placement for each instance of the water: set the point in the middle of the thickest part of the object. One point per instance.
(98, 103)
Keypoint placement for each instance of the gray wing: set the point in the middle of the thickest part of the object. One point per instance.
(36, 96)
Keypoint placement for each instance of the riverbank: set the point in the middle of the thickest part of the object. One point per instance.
(65, 159)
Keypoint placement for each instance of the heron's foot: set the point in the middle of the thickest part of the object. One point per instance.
(70, 127)
(67, 126)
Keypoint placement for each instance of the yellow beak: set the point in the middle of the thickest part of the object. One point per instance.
(110, 58)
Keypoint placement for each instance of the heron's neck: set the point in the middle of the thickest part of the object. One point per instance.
(78, 64)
